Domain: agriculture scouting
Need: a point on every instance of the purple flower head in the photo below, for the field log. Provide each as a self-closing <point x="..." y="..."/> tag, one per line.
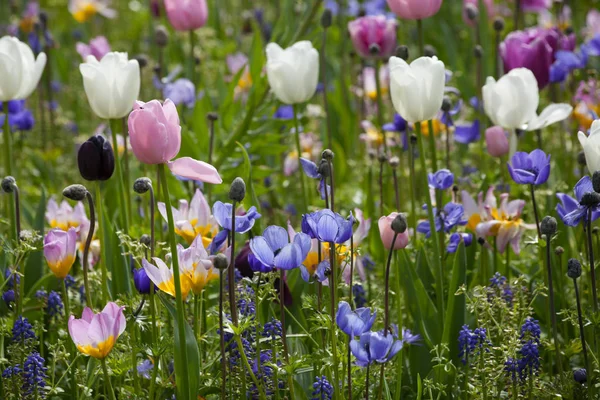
<point x="576" y="212"/>
<point x="327" y="226"/>
<point x="54" y="305"/>
<point x="284" y="112"/>
<point x="448" y="218"/>
<point x="22" y="330"/>
<point x="413" y="339"/>
<point x="530" y="330"/>
<point x="182" y="91"/>
<point x="441" y="180"/>
<point x="566" y="62"/>
<point x="530" y="169"/>
<point x="275" y="250"/>
<point x="469" y="341"/>
<point x="354" y="323"/>
<point x="374" y="347"/>
<point x="243" y="223"/>
<point x="19" y="117"/>
<point x="455" y="240"/>
<point x="34" y="376"/>
<point x="322" y="389"/>
<point x="535" y="5"/>
<point x="256" y="265"/>
<point x="144" y="368"/>
<point x="141" y="281"/>
<point x="9" y="296"/>
<point x="312" y="171"/>
<point x="466" y="133"/>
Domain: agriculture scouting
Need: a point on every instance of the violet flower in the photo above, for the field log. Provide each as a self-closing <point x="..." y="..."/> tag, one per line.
<point x="530" y="169"/>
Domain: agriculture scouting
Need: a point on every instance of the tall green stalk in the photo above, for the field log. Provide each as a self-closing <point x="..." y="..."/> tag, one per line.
<point x="180" y="369"/>
<point x="103" y="245"/>
<point x="8" y="166"/>
<point x="114" y="128"/>
<point x="299" y="150"/>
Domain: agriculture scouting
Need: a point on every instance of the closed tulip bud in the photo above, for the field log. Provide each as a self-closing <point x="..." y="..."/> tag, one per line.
<point x="237" y="191"/>
<point x="326" y="18"/>
<point x="96" y="159"/>
<point x="186" y="15"/>
<point x="75" y="192"/>
<point x="417" y="89"/>
<point x="142" y="185"/>
<point x="293" y="73"/>
<point x="387" y="232"/>
<point x="496" y="141"/>
<point x="573" y="268"/>
<point x="112" y="85"/>
<point x="154" y="131"/>
<point x="220" y="261"/>
<point x="402" y="52"/>
<point x="548" y="226"/>
<point x="8" y="184"/>
<point x="21" y="71"/>
<point x="161" y="36"/>
<point x="414" y="9"/>
<point x="60" y="248"/>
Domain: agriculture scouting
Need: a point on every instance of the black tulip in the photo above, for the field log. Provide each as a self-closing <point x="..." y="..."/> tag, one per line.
<point x="96" y="159"/>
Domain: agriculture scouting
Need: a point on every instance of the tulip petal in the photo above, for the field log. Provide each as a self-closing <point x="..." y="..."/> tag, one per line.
<point x="550" y="115"/>
<point x="187" y="167"/>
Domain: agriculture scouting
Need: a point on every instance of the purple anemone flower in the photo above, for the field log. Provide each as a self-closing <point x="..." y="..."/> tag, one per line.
<point x="274" y="249"/>
<point x="530" y="169"/>
<point x="446" y="219"/>
<point x="571" y="211"/>
<point x="354" y="323"/>
<point x="312" y="171"/>
<point x="374" y="347"/>
<point x="455" y="240"/>
<point x="327" y="226"/>
<point x="243" y="223"/>
<point x="466" y="133"/>
<point x="441" y="180"/>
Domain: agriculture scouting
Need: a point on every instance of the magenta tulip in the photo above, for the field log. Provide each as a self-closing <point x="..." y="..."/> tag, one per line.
<point x="373" y="32"/>
<point x="414" y="9"/>
<point x="387" y="233"/>
<point x="186" y="15"/>
<point x="496" y="141"/>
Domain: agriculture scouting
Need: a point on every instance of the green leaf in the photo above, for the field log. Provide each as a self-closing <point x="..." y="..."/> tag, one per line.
<point x="193" y="355"/>
<point x="34" y="268"/>
<point x="455" y="308"/>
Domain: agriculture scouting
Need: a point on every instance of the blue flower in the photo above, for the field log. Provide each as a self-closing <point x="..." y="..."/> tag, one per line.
<point x="10" y="372"/>
<point x="327" y="226"/>
<point x="410" y="338"/>
<point x="275" y="250"/>
<point x="359" y="295"/>
<point x="256" y="265"/>
<point x="529" y="360"/>
<point x="272" y="329"/>
<point x="467" y="133"/>
<point x="284" y="112"/>
<point x="321" y="272"/>
<point x="575" y="215"/>
<point x="455" y="240"/>
<point x="511" y="367"/>
<point x="441" y="180"/>
<point x="530" y="330"/>
<point x="141" y="281"/>
<point x="530" y="169"/>
<point x="144" y="368"/>
<point x="312" y="171"/>
<point x="469" y="341"/>
<point x="451" y="216"/>
<point x="566" y="62"/>
<point x="243" y="223"/>
<point x="19" y="117"/>
<point x="322" y="389"/>
<point x="398" y="125"/>
<point x="374" y="347"/>
<point x="22" y="330"/>
<point x="354" y="323"/>
<point x="34" y="376"/>
<point x="9" y="296"/>
<point x="182" y="91"/>
<point x="54" y="305"/>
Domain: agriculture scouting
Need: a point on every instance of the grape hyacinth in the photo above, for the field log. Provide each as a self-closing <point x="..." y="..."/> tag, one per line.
<point x="54" y="305"/>
<point x="322" y="389"/>
<point x="469" y="341"/>
<point x="359" y="294"/>
<point x="34" y="376"/>
<point x="22" y="330"/>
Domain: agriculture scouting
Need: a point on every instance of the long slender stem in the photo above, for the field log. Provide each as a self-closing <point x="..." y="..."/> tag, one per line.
<point x="535" y="211"/>
<point x="413" y="186"/>
<point x="299" y="151"/>
<point x="247" y="365"/>
<point x="6" y="138"/>
<point x="66" y="302"/>
<point x="286" y="356"/>
<point x="420" y="37"/>
<point x="231" y="270"/>
<point x="591" y="260"/>
<point x="551" y="304"/>
<point x="367" y="382"/>
<point x="333" y="310"/>
<point x="324" y="79"/>
<point x="222" y="337"/>
<point x="332" y="184"/>
<point x="126" y="174"/>
<point x="103" y="245"/>
<point x="381" y="201"/>
<point x="114" y="127"/>
<point x="86" y="250"/>
<point x="192" y="58"/>
<point x="396" y="189"/>
<point x="581" y="330"/>
<point x="177" y="283"/>
<point x="107" y="380"/>
<point x="379" y="97"/>
<point x="432" y="149"/>
<point x="211" y="128"/>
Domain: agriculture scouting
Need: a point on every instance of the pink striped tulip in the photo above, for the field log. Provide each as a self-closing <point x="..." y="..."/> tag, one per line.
<point x="60" y="248"/>
<point x="96" y="334"/>
<point x="186" y="15"/>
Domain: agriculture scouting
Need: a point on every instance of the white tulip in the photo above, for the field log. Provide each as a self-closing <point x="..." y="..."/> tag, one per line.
<point x="20" y="71"/>
<point x="417" y="89"/>
<point x="591" y="146"/>
<point x="512" y="102"/>
<point x="112" y="85"/>
<point x="293" y="73"/>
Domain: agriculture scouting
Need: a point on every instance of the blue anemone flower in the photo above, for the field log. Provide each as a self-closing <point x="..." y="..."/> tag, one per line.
<point x="448" y="218"/>
<point x="455" y="240"/>
<point x="275" y="250"/>
<point x="354" y="323"/>
<point x="441" y="180"/>
<point x="466" y="133"/>
<point x="312" y="171"/>
<point x="374" y="347"/>
<point x="530" y="169"/>
<point x="243" y="223"/>
<point x="327" y="226"/>
<point x="575" y="214"/>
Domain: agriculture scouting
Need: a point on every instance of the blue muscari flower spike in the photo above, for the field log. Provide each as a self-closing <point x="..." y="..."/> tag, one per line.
<point x="10" y="372"/>
<point x="529" y="169"/>
<point x="511" y="367"/>
<point x="243" y="223"/>
<point x="448" y="218"/>
<point x="69" y="281"/>
<point x="455" y="240"/>
<point x="322" y="389"/>
<point x="359" y="294"/>
<point x="354" y="323"/>
<point x="272" y="329"/>
<point x="529" y="361"/>
<point x="374" y="347"/>
<point x="442" y="179"/>
<point x="54" y="305"/>
<point x="469" y="341"/>
<point x="327" y="226"/>
<point x="275" y="250"/>
<point x="22" y="330"/>
<point x="571" y="212"/>
<point x="10" y="282"/>
<point x="41" y="294"/>
<point x="530" y="330"/>
<point x="34" y="376"/>
<point x="9" y="296"/>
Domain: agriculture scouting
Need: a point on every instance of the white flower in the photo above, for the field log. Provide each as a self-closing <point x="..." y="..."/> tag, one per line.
<point x="293" y="73"/>
<point x="20" y="72"/>
<point x="512" y="102"/>
<point x="112" y="85"/>
<point x="417" y="89"/>
<point x="591" y="146"/>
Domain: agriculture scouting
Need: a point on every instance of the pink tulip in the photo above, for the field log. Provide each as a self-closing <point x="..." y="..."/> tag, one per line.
<point x="387" y="234"/>
<point x="98" y="47"/>
<point x="373" y="30"/>
<point x="186" y="15"/>
<point x="414" y="9"/>
<point x="60" y="248"/>
<point x="156" y="139"/>
<point x="96" y="334"/>
<point x="496" y="141"/>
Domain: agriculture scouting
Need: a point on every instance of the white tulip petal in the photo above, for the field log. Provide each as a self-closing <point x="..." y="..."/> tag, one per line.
<point x="550" y="115"/>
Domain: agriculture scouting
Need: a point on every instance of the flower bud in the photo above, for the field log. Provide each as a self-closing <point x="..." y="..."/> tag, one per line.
<point x="75" y="192"/>
<point x="237" y="191"/>
<point x="580" y="375"/>
<point x="559" y="250"/>
<point x="394" y="162"/>
<point x="573" y="268"/>
<point x="471" y="11"/>
<point x="446" y="104"/>
<point x="8" y="184"/>
<point x="402" y="52"/>
<point x="581" y="158"/>
<point x="399" y="224"/>
<point x="478" y="51"/>
<point x="327" y="154"/>
<point x="429" y="51"/>
<point x="212" y="116"/>
<point x="326" y="18"/>
<point x="548" y="226"/>
<point x="382" y="157"/>
<point x="596" y="181"/>
<point x="161" y="36"/>
<point x="142" y="185"/>
<point x="413" y="139"/>
<point x="141" y="281"/>
<point x="96" y="159"/>
<point x="142" y="60"/>
<point x="145" y="239"/>
<point x="481" y="241"/>
<point x="324" y="168"/>
<point x="499" y="24"/>
<point x="220" y="261"/>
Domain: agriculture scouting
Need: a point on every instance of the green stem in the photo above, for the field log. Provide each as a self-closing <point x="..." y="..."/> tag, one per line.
<point x="182" y="370"/>
<point x="136" y="382"/>
<point x="103" y="245"/>
<point x="191" y="58"/>
<point x="420" y="37"/>
<point x="107" y="380"/>
<point x="8" y="167"/>
<point x="299" y="151"/>
<point x="333" y="289"/>
<point x="379" y="103"/>
<point x="431" y="138"/>
<point x="248" y="368"/>
<point x="413" y="185"/>
<point x="71" y="347"/>
<point x="483" y="375"/>
<point x="439" y="283"/>
<point x="114" y="128"/>
<point x="126" y="173"/>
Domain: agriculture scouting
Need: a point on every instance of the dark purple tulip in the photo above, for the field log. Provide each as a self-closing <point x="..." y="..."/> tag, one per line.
<point x="96" y="159"/>
<point x="530" y="169"/>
